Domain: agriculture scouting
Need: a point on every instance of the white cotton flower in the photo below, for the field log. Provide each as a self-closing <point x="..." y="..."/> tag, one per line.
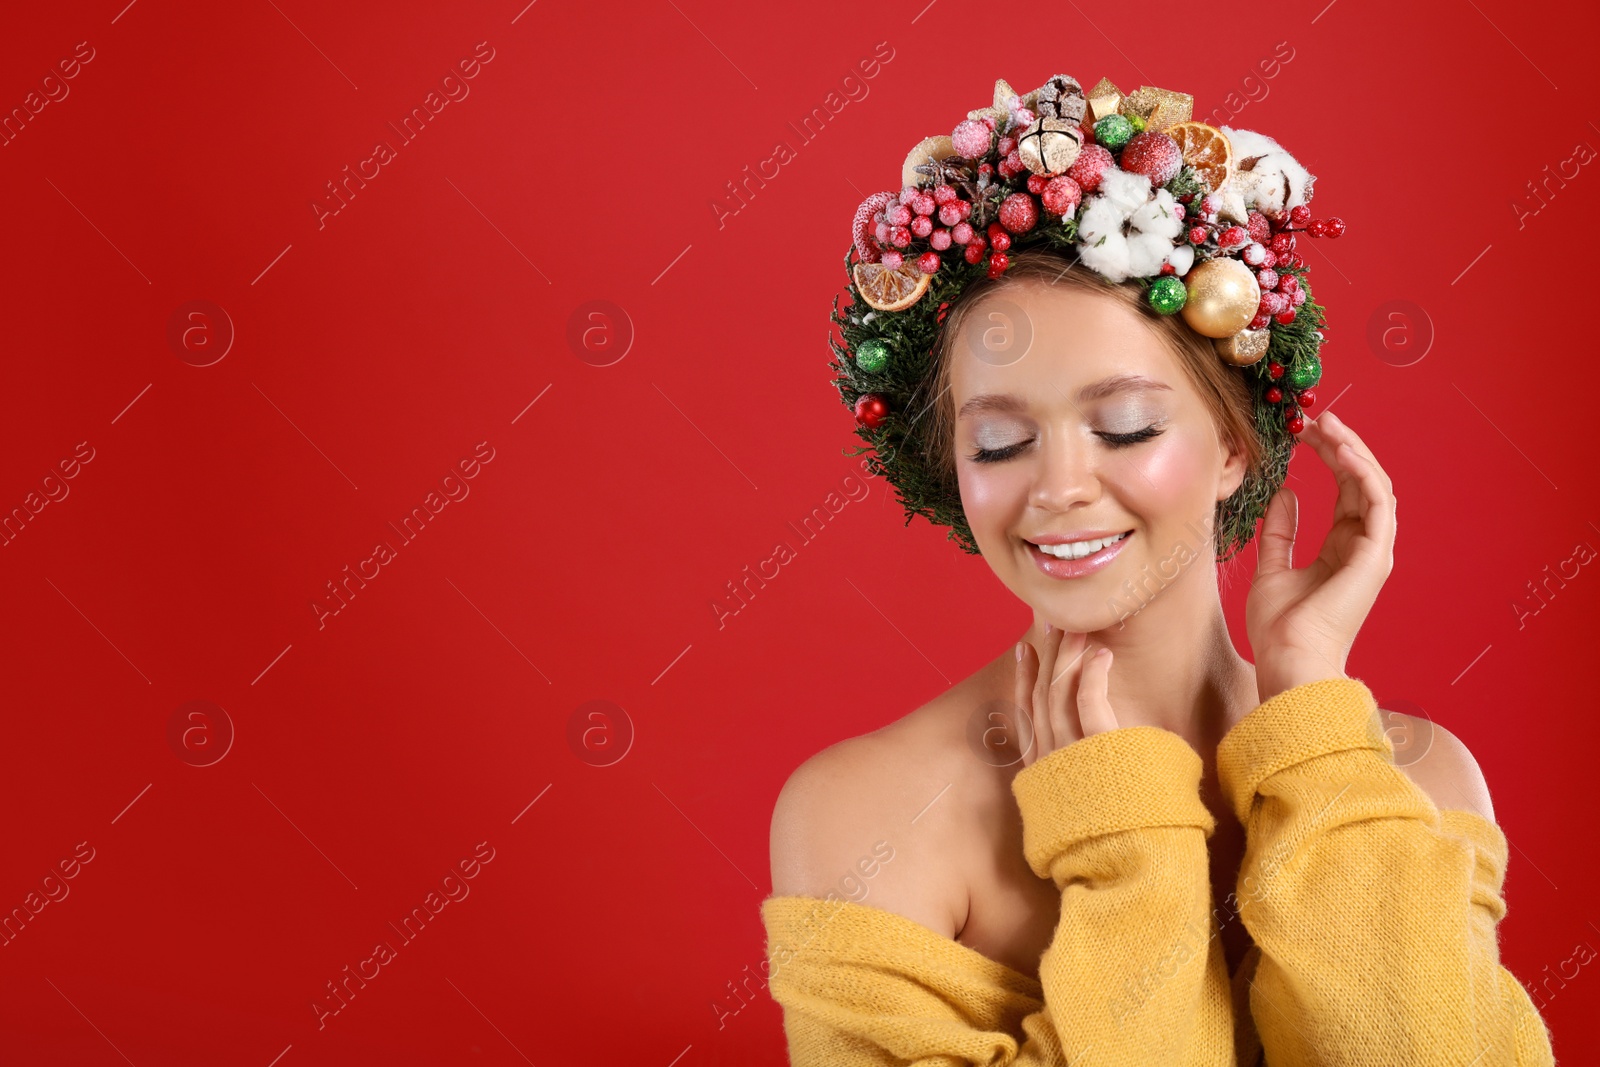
<point x="1127" y="231"/>
<point x="1182" y="258"/>
<point x="1275" y="181"/>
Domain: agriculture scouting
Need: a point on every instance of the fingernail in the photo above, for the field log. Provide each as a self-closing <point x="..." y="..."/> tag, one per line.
<point x="1047" y="628"/>
<point x="1102" y="651"/>
<point x="1019" y="651"/>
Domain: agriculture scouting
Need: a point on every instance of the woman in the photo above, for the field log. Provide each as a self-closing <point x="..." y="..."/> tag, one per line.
<point x="1119" y="841"/>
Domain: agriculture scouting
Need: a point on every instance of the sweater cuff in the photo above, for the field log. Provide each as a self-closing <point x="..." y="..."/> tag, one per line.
<point x="1124" y="779"/>
<point x="1332" y="715"/>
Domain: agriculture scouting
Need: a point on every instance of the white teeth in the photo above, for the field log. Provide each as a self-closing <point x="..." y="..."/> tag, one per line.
<point x="1079" y="549"/>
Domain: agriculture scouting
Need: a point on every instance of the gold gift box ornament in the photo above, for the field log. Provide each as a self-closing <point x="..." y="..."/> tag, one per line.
<point x="1159" y="108"/>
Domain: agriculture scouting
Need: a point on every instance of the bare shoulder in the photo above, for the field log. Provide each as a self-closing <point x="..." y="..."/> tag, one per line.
<point x="878" y="820"/>
<point x="1440" y="764"/>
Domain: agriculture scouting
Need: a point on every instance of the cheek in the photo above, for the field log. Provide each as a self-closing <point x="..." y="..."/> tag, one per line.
<point x="992" y="495"/>
<point x="1169" y="474"/>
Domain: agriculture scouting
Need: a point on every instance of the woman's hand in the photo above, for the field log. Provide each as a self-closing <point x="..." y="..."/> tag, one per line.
<point x="1302" y="621"/>
<point x="1063" y="691"/>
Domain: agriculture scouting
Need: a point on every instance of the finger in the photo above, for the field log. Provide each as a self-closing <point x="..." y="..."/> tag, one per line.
<point x="1040" y="700"/>
<point x="1341" y="431"/>
<point x="1063" y="689"/>
<point x="1022" y="697"/>
<point x="1094" y="702"/>
<point x="1276" y="551"/>
<point x="1378" y="506"/>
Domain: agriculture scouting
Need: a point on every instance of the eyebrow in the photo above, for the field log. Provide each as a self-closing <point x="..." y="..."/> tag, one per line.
<point x="1005" y="403"/>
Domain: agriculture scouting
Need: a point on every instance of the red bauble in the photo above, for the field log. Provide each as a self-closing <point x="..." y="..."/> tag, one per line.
<point x="1274" y="394"/>
<point x="871" y="410"/>
<point x="1260" y="229"/>
<point x="1307" y="398"/>
<point x="1019" y="212"/>
<point x="1153" y="154"/>
<point x="1274" y="370"/>
<point x="1092" y="162"/>
<point x="998" y="264"/>
<point x="1061" y="195"/>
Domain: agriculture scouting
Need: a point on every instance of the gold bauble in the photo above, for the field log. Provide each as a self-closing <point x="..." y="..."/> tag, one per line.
<point x="1223" y="297"/>
<point x="1243" y="348"/>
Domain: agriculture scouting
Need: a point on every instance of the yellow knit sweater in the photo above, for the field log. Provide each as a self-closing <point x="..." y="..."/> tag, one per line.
<point x="1373" y="914"/>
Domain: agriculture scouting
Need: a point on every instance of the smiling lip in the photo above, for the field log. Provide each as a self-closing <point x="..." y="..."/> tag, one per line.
<point x="1075" y="568"/>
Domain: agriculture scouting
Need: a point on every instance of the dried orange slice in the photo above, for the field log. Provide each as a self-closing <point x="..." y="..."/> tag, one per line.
<point x="891" y="290"/>
<point x="1206" y="149"/>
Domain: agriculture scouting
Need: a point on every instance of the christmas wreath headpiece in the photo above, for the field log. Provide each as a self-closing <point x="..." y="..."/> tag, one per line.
<point x="1203" y="219"/>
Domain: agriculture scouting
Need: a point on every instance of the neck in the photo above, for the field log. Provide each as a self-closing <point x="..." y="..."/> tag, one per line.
<point x="1175" y="666"/>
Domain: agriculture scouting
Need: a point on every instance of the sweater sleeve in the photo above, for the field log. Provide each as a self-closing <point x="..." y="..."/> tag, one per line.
<point x="1133" y="972"/>
<point x="1132" y="976"/>
<point x="1375" y="914"/>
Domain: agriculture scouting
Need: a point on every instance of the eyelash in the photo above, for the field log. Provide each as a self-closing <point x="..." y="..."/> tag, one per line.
<point x="1115" y="440"/>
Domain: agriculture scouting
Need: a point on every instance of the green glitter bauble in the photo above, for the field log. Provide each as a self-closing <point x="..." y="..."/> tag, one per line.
<point x="872" y="356"/>
<point x="1168" y="294"/>
<point x="1306" y="372"/>
<point x="1113" y="131"/>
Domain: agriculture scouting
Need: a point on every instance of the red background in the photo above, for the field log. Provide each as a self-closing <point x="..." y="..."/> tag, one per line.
<point x="374" y="352"/>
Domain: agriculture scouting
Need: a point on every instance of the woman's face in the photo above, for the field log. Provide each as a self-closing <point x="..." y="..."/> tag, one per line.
<point x="1093" y="432"/>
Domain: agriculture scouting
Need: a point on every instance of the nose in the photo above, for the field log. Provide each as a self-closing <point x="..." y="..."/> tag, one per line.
<point x="1067" y="475"/>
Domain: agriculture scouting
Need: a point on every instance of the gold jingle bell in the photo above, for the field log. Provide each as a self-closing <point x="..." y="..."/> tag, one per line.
<point x="1223" y="296"/>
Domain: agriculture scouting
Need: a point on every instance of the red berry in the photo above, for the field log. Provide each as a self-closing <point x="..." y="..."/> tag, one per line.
<point x="1334" y="225"/>
<point x="871" y="409"/>
<point x="1168" y="268"/>
<point x="939" y="240"/>
<point x="998" y="237"/>
<point x="923" y="204"/>
<point x="1267" y="279"/>
<point x="1317" y="228"/>
<point x="1288" y="283"/>
<point x="922" y="225"/>
<point x="943" y="194"/>
<point x="997" y="264"/>
<point x="1253" y="254"/>
<point x="1211" y="204"/>
<point x="882" y="233"/>
<point x="908" y="193"/>
<point x="1299" y="214"/>
<point x="1295" y="425"/>
<point x="1061" y="195"/>
<point x="1298" y="298"/>
<point x="1269" y="303"/>
<point x="1260" y="229"/>
<point x="1233" y="237"/>
<point x="1278" y="219"/>
<point x="928" y="262"/>
<point x="892" y="260"/>
<point x="1011" y="166"/>
<point x="1178" y="212"/>
<point x="1153" y="154"/>
<point x="1274" y="394"/>
<point x="1036" y="183"/>
<point x="974" y="251"/>
<point x="1092" y="162"/>
<point x="1285" y="317"/>
<point x="1198" y="235"/>
<point x="1261" y="321"/>
<point x="1007" y="145"/>
<point x="966" y="207"/>
<point x="949" y="214"/>
<point x="1282" y="243"/>
<point x="961" y="233"/>
<point x="1274" y="370"/>
<point x="1307" y="398"/>
<point x="1268" y="260"/>
<point x="1019" y="212"/>
<point x="897" y="214"/>
<point x="899" y="236"/>
<point x="1292" y="260"/>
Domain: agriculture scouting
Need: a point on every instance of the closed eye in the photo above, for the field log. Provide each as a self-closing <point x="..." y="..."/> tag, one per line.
<point x="1115" y="440"/>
